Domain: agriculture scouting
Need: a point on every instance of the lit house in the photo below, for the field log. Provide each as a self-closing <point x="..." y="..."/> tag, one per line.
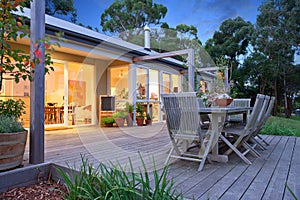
<point x="90" y="65"/>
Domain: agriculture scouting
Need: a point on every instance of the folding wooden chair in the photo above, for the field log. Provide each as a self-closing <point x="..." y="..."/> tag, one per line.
<point x="183" y="122"/>
<point x="265" y="115"/>
<point x="242" y="133"/>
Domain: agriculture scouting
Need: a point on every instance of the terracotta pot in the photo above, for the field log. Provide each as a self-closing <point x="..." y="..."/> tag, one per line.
<point x="148" y="122"/>
<point x="223" y="102"/>
<point x="129" y="119"/>
<point x="120" y="121"/>
<point x="109" y="124"/>
<point x="140" y="121"/>
<point x="12" y="147"/>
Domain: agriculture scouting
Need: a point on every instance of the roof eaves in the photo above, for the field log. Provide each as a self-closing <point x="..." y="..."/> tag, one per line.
<point x="86" y="36"/>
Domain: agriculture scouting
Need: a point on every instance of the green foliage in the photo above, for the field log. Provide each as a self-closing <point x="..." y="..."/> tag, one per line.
<point x="10" y="124"/>
<point x="231" y="40"/>
<point x="290" y="191"/>
<point x="15" y="63"/>
<point x="59" y="7"/>
<point x="275" y="42"/>
<point x="129" y="107"/>
<point x="282" y="126"/>
<point x="12" y="108"/>
<point x="148" y="116"/>
<point x="126" y="15"/>
<point x="120" y="114"/>
<point x="115" y="183"/>
<point x="107" y="120"/>
<point x="140" y="110"/>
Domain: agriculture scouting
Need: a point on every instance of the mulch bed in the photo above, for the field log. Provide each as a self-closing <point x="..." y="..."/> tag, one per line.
<point x="42" y="190"/>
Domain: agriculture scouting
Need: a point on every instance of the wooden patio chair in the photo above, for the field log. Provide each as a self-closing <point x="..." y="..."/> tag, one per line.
<point x="265" y="115"/>
<point x="183" y="122"/>
<point x="249" y="141"/>
<point x="240" y="134"/>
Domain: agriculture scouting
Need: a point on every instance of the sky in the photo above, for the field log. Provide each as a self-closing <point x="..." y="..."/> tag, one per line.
<point x="206" y="15"/>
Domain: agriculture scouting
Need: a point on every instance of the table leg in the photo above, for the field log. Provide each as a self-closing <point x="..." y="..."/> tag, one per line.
<point x="215" y="134"/>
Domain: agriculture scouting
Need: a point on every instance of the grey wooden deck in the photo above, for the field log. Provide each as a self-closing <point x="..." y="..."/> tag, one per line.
<point x="264" y="179"/>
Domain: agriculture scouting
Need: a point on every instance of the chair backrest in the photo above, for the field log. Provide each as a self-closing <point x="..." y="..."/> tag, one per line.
<point x="182" y="114"/>
<point x="203" y="117"/>
<point x="270" y="108"/>
<point x="251" y="123"/>
<point x="239" y="103"/>
<point x="266" y="113"/>
<point x="263" y="110"/>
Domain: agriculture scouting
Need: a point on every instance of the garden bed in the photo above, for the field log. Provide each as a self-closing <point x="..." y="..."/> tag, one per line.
<point x="32" y="182"/>
<point x="42" y="190"/>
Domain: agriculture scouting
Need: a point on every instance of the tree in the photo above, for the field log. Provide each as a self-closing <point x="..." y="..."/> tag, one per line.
<point x="231" y="41"/>
<point x="60" y="8"/>
<point x="277" y="39"/>
<point x="123" y="16"/>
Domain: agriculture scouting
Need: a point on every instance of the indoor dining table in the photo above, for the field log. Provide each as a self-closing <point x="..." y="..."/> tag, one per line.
<point x="218" y="116"/>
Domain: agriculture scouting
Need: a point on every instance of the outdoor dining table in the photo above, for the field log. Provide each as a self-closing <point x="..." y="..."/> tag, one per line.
<point x="218" y="116"/>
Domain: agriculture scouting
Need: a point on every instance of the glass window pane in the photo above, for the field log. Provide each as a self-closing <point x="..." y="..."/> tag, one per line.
<point x="80" y="93"/>
<point x="54" y="95"/>
<point x="119" y="82"/>
<point x="141" y="83"/>
<point x="15" y="91"/>
<point x="175" y="83"/>
<point x="153" y="84"/>
<point x="166" y="83"/>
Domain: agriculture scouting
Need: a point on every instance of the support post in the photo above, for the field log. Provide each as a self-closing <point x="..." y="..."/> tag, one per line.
<point x="37" y="86"/>
<point x="191" y="70"/>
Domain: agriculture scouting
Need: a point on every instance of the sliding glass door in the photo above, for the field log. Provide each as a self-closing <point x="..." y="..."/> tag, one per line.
<point x="69" y="94"/>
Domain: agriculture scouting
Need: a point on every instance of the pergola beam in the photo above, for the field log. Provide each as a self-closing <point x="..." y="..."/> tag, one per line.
<point x="161" y="55"/>
<point x="208" y="69"/>
<point x="191" y="66"/>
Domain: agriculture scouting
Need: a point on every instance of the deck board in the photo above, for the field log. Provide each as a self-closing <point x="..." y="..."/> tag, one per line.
<point x="294" y="175"/>
<point x="265" y="178"/>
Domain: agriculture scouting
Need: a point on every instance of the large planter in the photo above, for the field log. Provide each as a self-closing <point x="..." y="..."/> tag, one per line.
<point x="109" y="124"/>
<point x="120" y="121"/>
<point x="129" y="119"/>
<point x="223" y="102"/>
<point x="148" y="122"/>
<point x="140" y="121"/>
<point x="12" y="147"/>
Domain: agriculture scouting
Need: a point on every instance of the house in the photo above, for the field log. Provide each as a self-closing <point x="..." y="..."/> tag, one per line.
<point x="95" y="74"/>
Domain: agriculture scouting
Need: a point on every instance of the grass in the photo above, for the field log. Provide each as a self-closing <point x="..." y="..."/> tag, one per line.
<point x="282" y="126"/>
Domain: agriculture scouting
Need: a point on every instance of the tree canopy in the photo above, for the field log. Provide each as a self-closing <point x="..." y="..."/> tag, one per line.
<point x="268" y="49"/>
<point x="231" y="40"/>
<point x="276" y="40"/>
<point x="122" y="16"/>
<point x="60" y="8"/>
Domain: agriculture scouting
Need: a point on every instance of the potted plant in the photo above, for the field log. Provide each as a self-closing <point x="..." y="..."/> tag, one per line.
<point x="219" y="93"/>
<point x="12" y="134"/>
<point x="148" y="120"/>
<point x="129" y="118"/>
<point x="140" y="115"/>
<point x="120" y="118"/>
<point x="108" y="121"/>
